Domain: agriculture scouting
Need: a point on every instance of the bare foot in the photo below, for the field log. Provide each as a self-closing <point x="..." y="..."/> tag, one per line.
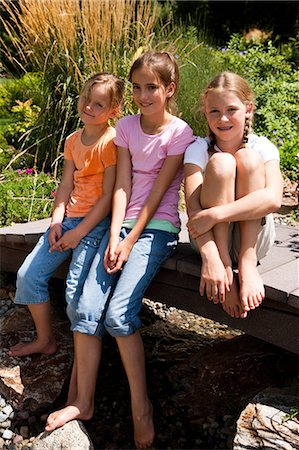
<point x="252" y="291"/>
<point x="232" y="305"/>
<point x="144" y="432"/>
<point x="62" y="416"/>
<point x="36" y="346"/>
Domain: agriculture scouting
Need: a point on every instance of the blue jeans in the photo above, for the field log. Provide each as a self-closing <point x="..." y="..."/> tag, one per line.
<point x="112" y="302"/>
<point x="40" y="265"/>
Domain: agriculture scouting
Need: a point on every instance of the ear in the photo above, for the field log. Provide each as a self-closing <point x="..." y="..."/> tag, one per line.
<point x="114" y="112"/>
<point x="249" y="110"/>
<point x="170" y="90"/>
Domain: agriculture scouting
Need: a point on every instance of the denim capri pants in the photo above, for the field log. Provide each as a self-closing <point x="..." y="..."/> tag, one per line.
<point x="35" y="272"/>
<point x="112" y="302"/>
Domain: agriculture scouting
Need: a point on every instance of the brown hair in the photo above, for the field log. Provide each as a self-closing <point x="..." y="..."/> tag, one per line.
<point x="239" y="86"/>
<point x="164" y="65"/>
<point x="114" y="85"/>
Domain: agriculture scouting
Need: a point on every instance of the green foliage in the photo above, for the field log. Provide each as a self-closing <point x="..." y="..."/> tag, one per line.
<point x="6" y="153"/>
<point x="23" y="118"/>
<point x="5" y="101"/>
<point x="25" y="195"/>
<point x="289" y="157"/>
<point x="195" y="73"/>
<point x="19" y="110"/>
<point x="276" y="85"/>
<point x="29" y="86"/>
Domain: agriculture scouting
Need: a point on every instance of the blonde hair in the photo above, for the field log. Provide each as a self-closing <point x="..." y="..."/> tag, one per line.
<point x="115" y="88"/>
<point x="164" y="65"/>
<point x="239" y="86"/>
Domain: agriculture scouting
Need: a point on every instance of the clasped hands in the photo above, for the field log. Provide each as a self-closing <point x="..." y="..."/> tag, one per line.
<point x="69" y="240"/>
<point x="117" y="254"/>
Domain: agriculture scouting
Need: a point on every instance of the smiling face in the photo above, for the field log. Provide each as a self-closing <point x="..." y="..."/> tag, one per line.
<point x="96" y="108"/>
<point x="149" y="92"/>
<point x="226" y="115"/>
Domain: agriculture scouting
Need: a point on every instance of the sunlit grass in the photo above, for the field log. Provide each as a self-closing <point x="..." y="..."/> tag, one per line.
<point x="68" y="41"/>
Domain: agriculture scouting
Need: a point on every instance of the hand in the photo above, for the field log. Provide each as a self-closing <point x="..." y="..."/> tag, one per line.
<point x="70" y="239"/>
<point x="119" y="256"/>
<point x="110" y="256"/>
<point x="214" y="280"/>
<point x="55" y="234"/>
<point x="201" y="222"/>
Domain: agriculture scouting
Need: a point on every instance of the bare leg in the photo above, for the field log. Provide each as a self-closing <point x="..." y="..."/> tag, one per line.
<point x="88" y="354"/>
<point x="45" y="341"/>
<point x="251" y="177"/>
<point x="219" y="189"/>
<point x="132" y="355"/>
<point x="72" y="391"/>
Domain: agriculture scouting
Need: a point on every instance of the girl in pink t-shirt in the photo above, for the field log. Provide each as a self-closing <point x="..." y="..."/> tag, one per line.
<point x="144" y="232"/>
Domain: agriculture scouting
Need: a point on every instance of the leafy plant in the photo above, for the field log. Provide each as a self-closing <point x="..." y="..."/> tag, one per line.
<point x="25" y="195"/>
<point x="24" y="116"/>
<point x="28" y="86"/>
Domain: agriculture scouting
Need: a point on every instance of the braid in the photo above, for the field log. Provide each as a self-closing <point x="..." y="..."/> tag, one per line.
<point x="212" y="143"/>
<point x="247" y="130"/>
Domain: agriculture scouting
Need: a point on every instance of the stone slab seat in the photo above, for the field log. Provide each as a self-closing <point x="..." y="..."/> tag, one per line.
<point x="275" y="321"/>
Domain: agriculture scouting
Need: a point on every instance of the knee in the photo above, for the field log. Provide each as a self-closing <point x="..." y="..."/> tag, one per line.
<point x="248" y="161"/>
<point x="24" y="274"/>
<point x="222" y="166"/>
<point x="121" y="326"/>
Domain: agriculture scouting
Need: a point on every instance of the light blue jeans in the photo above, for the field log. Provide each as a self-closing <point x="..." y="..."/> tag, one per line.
<point x="37" y="269"/>
<point x="112" y="302"/>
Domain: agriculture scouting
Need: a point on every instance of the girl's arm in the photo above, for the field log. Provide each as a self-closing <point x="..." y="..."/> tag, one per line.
<point x="167" y="173"/>
<point x="213" y="278"/>
<point x="100" y="210"/>
<point x="61" y="200"/>
<point x="252" y="206"/>
<point x="121" y="197"/>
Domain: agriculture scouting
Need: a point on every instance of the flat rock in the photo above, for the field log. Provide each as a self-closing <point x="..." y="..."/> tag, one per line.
<point x="266" y="422"/>
<point x="72" y="436"/>
<point x="35" y="381"/>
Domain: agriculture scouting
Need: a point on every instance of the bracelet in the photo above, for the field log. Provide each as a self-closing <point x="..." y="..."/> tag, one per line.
<point x="55" y="223"/>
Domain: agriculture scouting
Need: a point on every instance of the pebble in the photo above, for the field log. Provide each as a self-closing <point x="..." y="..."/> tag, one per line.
<point x="6" y="302"/>
<point x="6" y="414"/>
<point x="11" y="438"/>
<point x="17" y="439"/>
<point x="7" y="434"/>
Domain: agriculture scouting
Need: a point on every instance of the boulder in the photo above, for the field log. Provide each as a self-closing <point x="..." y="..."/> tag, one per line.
<point x="35" y="381"/>
<point x="72" y="436"/>
<point x="267" y="422"/>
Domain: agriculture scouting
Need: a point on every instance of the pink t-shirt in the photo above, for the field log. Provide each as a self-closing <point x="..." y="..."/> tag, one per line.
<point x="148" y="153"/>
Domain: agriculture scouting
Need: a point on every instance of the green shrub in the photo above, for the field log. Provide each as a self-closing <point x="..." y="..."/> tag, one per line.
<point x="195" y="73"/>
<point x="289" y="157"/>
<point x="25" y="195"/>
<point x="29" y="86"/>
<point x="5" y="101"/>
<point x="23" y="119"/>
<point x="6" y="153"/>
